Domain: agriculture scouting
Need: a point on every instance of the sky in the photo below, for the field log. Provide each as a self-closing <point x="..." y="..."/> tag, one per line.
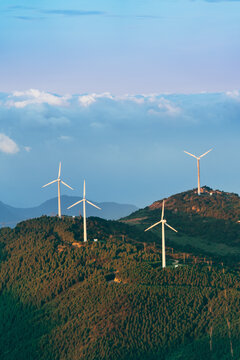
<point x="128" y="46"/>
<point x="116" y="90"/>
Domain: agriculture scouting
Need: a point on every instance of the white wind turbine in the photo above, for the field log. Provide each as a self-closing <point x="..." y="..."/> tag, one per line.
<point x="164" y="222"/>
<point x="198" y="166"/>
<point x="59" y="181"/>
<point x="84" y="200"/>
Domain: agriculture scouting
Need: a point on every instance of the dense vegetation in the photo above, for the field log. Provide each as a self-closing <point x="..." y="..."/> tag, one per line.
<point x="206" y="224"/>
<point x="110" y="299"/>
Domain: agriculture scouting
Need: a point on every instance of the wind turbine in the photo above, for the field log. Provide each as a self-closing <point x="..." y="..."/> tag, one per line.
<point x="84" y="200"/>
<point x="164" y="222"/>
<point x="59" y="181"/>
<point x="198" y="166"/>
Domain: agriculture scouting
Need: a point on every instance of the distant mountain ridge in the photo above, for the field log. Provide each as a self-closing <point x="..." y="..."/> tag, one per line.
<point x="10" y="215"/>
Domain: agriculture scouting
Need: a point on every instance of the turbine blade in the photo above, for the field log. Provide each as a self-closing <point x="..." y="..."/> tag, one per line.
<point x="171" y="227"/>
<point x="162" y="210"/>
<point x="150" y="227"/>
<point x="50" y="183"/>
<point x="205" y="153"/>
<point x="78" y="202"/>
<point x="89" y="202"/>
<point x="190" y="154"/>
<point x="59" y="170"/>
<point x="84" y="189"/>
<point x="66" y="185"/>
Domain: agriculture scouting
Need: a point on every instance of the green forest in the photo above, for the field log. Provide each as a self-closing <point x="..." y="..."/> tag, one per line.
<point x="111" y="299"/>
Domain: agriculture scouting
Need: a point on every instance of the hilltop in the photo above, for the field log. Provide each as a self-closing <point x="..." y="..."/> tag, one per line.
<point x="206" y="224"/>
<point x="110" y="299"/>
<point x="211" y="203"/>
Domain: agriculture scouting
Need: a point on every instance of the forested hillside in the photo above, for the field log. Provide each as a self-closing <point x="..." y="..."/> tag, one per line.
<point x="206" y="224"/>
<point x="110" y="299"/>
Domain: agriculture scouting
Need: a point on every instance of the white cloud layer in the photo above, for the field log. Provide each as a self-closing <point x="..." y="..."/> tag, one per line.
<point x="89" y="99"/>
<point x="122" y="143"/>
<point x="235" y="94"/>
<point x="21" y="99"/>
<point x="166" y="106"/>
<point x="7" y="145"/>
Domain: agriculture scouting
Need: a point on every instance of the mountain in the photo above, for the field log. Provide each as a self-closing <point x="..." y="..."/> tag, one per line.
<point x="110" y="210"/>
<point x="110" y="299"/>
<point x="206" y="224"/>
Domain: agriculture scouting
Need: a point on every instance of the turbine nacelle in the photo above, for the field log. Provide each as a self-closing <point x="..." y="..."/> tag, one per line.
<point x="198" y="157"/>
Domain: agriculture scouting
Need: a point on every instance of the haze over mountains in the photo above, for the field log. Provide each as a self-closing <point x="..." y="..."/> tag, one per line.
<point x="10" y="216"/>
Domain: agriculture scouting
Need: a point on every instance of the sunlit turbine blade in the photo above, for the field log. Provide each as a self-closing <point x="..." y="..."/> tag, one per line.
<point x="59" y="170"/>
<point x="89" y="202"/>
<point x="162" y="210"/>
<point x="66" y="185"/>
<point x="150" y="227"/>
<point x="190" y="154"/>
<point x="78" y="202"/>
<point x="84" y="190"/>
<point x="205" y="153"/>
<point x="171" y="227"/>
<point x="50" y="183"/>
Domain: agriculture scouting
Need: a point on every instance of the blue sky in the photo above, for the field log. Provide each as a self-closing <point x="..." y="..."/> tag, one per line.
<point x="117" y="90"/>
<point x="120" y="46"/>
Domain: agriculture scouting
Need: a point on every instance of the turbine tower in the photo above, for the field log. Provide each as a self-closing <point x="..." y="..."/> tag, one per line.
<point x="84" y="200"/>
<point x="164" y="222"/>
<point x="59" y="181"/>
<point x="198" y="166"/>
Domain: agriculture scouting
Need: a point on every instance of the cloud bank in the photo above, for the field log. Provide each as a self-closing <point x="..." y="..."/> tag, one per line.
<point x="21" y="99"/>
<point x="129" y="147"/>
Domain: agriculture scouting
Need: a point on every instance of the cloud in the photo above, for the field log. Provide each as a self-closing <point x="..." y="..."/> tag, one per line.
<point x="65" y="138"/>
<point x="135" y="137"/>
<point x="7" y="145"/>
<point x="20" y="7"/>
<point x="69" y="12"/>
<point x="234" y="94"/>
<point x="164" y="106"/>
<point x="87" y="100"/>
<point x="21" y="99"/>
<point x="27" y="148"/>
<point x="168" y="106"/>
<point x="28" y="18"/>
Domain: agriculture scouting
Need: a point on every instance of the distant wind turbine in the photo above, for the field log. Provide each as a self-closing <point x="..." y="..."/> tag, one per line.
<point x="164" y="222"/>
<point x="198" y="166"/>
<point x="59" y="181"/>
<point x="84" y="200"/>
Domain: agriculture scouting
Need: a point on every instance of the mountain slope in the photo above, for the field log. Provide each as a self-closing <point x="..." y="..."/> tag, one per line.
<point x="206" y="223"/>
<point x="109" y="299"/>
